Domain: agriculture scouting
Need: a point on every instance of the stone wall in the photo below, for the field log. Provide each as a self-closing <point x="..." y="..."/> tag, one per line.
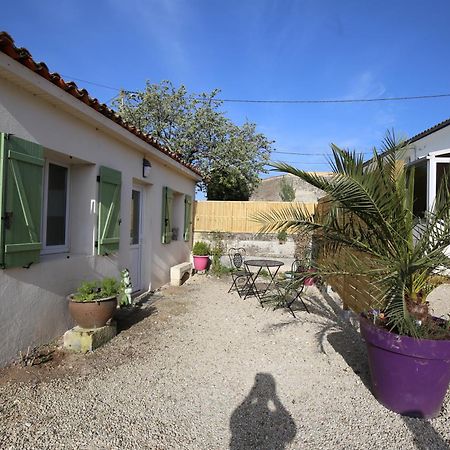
<point x="257" y="245"/>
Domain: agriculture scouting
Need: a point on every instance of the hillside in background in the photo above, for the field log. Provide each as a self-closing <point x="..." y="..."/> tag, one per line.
<point x="269" y="189"/>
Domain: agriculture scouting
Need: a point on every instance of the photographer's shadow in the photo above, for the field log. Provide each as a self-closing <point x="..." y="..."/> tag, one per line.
<point x="261" y="421"/>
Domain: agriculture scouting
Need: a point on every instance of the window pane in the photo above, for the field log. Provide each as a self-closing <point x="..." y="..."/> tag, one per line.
<point x="56" y="205"/>
<point x="420" y="189"/>
<point x="135" y="215"/>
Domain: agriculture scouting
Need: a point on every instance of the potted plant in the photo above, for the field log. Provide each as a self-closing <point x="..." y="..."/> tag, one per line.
<point x="94" y="302"/>
<point x="367" y="230"/>
<point x="282" y="237"/>
<point x="201" y="252"/>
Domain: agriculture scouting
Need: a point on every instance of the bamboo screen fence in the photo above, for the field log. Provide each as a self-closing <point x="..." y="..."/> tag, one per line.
<point x="234" y="217"/>
<point x="357" y="292"/>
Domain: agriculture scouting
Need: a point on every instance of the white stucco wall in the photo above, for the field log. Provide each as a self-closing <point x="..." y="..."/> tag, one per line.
<point x="33" y="308"/>
<point x="439" y="140"/>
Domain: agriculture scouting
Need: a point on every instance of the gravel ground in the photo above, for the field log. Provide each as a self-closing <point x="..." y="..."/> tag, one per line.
<point x="203" y="369"/>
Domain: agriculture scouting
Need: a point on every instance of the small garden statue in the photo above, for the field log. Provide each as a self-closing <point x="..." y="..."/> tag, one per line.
<point x="127" y="288"/>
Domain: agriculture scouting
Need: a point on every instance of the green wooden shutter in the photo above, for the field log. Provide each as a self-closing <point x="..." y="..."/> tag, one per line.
<point x="187" y="217"/>
<point x="166" y="214"/>
<point x="109" y="210"/>
<point x="21" y="169"/>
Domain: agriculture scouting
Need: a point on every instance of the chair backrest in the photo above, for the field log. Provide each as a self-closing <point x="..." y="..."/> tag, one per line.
<point x="298" y="266"/>
<point x="236" y="256"/>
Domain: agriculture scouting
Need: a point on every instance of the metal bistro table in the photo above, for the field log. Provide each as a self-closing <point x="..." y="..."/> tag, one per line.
<point x="272" y="267"/>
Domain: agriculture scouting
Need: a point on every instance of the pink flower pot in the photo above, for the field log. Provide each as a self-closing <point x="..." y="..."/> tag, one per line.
<point x="310" y="280"/>
<point x="201" y="262"/>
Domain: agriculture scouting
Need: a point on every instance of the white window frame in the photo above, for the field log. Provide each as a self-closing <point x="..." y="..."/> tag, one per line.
<point x="49" y="249"/>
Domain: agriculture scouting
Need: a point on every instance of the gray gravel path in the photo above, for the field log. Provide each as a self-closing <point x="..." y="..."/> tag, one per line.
<point x="207" y="370"/>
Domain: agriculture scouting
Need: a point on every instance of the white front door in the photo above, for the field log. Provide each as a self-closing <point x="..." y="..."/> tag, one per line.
<point x="136" y="238"/>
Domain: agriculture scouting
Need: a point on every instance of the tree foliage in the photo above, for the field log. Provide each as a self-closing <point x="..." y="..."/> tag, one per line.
<point x="287" y="190"/>
<point x="193" y="125"/>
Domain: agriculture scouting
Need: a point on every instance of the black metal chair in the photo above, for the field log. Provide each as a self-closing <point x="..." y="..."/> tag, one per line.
<point x="239" y="273"/>
<point x="293" y="286"/>
<point x="297" y="268"/>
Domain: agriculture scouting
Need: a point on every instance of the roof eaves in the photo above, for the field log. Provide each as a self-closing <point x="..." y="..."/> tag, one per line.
<point x="429" y="131"/>
<point x="23" y="56"/>
<point x="418" y="136"/>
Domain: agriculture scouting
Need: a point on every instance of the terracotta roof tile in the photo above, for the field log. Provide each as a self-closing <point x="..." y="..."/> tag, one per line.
<point x="23" y="56"/>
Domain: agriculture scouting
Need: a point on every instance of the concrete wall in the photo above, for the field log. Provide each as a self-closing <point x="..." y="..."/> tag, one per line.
<point x="256" y="245"/>
<point x="33" y="308"/>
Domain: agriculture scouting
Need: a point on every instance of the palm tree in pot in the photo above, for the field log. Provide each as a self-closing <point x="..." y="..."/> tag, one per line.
<point x="369" y="227"/>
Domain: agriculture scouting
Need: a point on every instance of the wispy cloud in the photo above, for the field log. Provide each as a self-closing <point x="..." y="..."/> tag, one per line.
<point x="161" y="23"/>
<point x="365" y="85"/>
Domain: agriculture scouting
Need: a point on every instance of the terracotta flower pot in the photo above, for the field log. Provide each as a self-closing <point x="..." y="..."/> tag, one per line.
<point x="92" y="314"/>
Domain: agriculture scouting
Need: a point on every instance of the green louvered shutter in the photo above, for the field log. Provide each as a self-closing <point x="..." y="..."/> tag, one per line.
<point x="187" y="217"/>
<point x="166" y="224"/>
<point x="21" y="169"/>
<point x="109" y="210"/>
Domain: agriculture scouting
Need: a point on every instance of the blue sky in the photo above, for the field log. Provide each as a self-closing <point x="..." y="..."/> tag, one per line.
<point x="259" y="49"/>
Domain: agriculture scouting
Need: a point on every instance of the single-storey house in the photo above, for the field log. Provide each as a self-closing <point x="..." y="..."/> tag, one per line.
<point x="83" y="195"/>
<point x="429" y="153"/>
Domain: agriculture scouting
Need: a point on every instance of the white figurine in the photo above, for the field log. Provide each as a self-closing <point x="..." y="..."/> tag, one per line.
<point x="127" y="288"/>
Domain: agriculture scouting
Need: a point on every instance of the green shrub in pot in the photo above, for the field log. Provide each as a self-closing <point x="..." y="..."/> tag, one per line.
<point x="91" y="291"/>
<point x="94" y="302"/>
<point x="201" y="248"/>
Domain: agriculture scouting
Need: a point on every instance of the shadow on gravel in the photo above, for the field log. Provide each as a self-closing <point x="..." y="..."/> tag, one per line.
<point x="336" y="326"/>
<point x="425" y="436"/>
<point x="127" y="317"/>
<point x="340" y="331"/>
<point x="353" y="350"/>
<point x="261" y="421"/>
<point x="346" y="340"/>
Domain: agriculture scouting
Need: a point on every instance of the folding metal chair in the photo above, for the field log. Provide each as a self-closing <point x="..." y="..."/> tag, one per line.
<point x="294" y="285"/>
<point x="297" y="269"/>
<point x="239" y="271"/>
<point x="295" y="291"/>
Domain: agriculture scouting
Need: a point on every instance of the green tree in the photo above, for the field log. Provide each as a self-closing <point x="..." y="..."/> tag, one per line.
<point x="287" y="190"/>
<point x="230" y="156"/>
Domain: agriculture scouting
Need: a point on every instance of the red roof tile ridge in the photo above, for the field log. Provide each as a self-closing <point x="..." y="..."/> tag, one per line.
<point x="23" y="56"/>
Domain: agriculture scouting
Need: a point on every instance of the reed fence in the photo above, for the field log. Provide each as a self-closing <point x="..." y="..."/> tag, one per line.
<point x="235" y="216"/>
<point x="356" y="291"/>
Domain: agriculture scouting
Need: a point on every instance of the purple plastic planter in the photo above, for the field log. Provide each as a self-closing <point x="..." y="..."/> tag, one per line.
<point x="409" y="376"/>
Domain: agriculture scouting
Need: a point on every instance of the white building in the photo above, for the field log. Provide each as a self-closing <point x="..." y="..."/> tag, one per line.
<point x="429" y="154"/>
<point x="75" y="200"/>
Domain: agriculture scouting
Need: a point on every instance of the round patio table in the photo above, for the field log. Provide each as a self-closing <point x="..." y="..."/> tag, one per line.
<point x="272" y="267"/>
